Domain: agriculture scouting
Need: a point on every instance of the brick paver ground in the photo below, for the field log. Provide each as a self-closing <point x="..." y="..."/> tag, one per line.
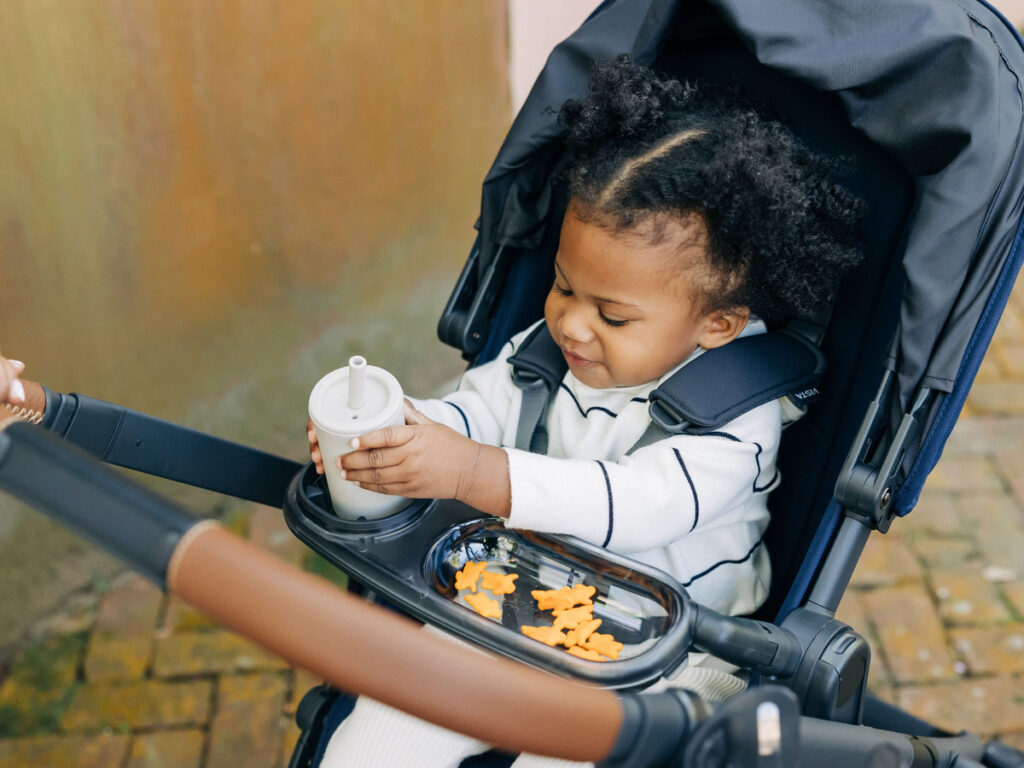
<point x="128" y="677"/>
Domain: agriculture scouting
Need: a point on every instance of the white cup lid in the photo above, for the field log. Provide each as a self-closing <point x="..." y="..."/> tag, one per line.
<point x="329" y="408"/>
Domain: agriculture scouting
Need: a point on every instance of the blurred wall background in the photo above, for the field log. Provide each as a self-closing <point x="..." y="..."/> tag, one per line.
<point x="206" y="206"/>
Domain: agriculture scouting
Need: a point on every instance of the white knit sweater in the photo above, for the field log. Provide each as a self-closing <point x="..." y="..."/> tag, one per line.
<point x="694" y="506"/>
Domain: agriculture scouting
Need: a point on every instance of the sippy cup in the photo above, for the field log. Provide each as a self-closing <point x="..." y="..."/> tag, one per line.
<point x="346" y="403"/>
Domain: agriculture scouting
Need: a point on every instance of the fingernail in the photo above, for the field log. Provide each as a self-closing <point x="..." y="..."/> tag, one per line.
<point x="354" y="442"/>
<point x="17" y="391"/>
<point x="342" y="473"/>
<point x="17" y="364"/>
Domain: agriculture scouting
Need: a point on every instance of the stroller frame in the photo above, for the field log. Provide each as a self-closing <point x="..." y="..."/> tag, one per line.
<point x="817" y="700"/>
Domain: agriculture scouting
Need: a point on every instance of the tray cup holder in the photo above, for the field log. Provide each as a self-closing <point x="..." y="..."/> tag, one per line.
<point x="315" y="502"/>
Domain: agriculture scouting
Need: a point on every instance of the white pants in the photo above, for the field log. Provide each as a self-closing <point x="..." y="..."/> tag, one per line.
<point x="378" y="736"/>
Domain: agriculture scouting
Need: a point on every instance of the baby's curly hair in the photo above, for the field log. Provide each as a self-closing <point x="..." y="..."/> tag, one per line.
<point x="780" y="231"/>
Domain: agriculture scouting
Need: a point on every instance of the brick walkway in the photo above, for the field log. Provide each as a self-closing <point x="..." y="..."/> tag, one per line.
<point x="129" y="678"/>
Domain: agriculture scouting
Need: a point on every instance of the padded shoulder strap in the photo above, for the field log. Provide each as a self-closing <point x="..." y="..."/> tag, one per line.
<point x="537" y="368"/>
<point x="538" y="357"/>
<point x="727" y="382"/>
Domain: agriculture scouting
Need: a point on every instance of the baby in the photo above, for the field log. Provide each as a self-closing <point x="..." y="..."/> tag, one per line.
<point x="692" y="221"/>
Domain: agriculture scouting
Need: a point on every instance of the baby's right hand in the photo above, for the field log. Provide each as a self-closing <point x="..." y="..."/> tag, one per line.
<point x="314" y="447"/>
<point x="412" y="416"/>
<point x="11" y="390"/>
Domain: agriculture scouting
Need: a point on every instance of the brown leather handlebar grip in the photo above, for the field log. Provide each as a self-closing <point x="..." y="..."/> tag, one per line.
<point x="361" y="648"/>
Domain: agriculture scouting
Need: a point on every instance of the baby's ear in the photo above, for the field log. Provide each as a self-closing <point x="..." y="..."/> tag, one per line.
<point x="722" y="326"/>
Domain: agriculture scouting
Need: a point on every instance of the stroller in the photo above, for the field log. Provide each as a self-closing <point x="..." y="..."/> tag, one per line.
<point x="926" y="95"/>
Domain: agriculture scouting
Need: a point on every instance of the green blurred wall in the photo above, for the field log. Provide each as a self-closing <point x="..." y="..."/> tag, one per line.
<point x="206" y="205"/>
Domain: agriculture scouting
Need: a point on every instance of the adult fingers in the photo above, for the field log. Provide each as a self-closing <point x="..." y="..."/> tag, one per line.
<point x="11" y="390"/>
<point x="16" y="393"/>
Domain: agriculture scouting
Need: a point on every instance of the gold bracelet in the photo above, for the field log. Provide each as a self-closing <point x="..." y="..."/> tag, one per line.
<point x="25" y="414"/>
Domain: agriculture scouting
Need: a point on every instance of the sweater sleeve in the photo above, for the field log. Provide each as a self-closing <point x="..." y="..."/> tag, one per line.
<point x="658" y="494"/>
<point x="480" y="407"/>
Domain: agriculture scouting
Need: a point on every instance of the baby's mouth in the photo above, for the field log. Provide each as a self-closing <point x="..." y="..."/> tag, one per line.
<point x="575" y="361"/>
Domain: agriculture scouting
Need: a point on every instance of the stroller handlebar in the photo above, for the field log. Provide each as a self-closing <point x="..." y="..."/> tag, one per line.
<point x="134" y="440"/>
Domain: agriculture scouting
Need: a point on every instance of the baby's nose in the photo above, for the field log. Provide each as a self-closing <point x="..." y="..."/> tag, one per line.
<point x="576" y="326"/>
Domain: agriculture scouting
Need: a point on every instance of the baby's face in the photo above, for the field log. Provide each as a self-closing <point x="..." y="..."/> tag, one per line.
<point x="625" y="311"/>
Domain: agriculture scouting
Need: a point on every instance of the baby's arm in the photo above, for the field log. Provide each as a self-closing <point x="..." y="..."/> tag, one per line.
<point x="427" y="460"/>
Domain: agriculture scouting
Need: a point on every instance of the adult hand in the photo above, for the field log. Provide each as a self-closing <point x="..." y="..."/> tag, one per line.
<point x="11" y="390"/>
<point x="427" y="460"/>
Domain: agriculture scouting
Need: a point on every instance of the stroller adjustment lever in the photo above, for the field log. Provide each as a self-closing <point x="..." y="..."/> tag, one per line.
<point x="873" y="471"/>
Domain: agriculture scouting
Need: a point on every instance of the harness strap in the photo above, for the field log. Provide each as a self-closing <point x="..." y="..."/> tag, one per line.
<point x="651" y="435"/>
<point x="705" y="394"/>
<point x="532" y="431"/>
<point x="537" y="368"/>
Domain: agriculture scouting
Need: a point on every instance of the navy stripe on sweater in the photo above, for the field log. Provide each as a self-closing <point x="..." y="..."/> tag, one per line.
<point x="693" y="489"/>
<point x="463" y="415"/>
<point x="611" y="504"/>
<point x="601" y="409"/>
<point x="757" y="460"/>
<point x="743" y="559"/>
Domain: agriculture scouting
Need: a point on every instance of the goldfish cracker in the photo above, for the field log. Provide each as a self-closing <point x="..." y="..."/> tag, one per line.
<point x="584" y="653"/>
<point x="483" y="605"/>
<point x="469" y="575"/>
<point x="579" y="635"/>
<point x="570" y="618"/>
<point x="606" y="645"/>
<point x="498" y="583"/>
<point x="546" y="635"/>
<point x="564" y="598"/>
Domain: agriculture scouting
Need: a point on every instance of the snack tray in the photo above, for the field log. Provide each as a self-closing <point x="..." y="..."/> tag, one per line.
<point x="410" y="559"/>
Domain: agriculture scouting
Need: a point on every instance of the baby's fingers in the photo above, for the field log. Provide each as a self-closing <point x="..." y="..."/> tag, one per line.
<point x="379" y="479"/>
<point x="412" y="416"/>
<point x="370" y="458"/>
<point x="389" y="437"/>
